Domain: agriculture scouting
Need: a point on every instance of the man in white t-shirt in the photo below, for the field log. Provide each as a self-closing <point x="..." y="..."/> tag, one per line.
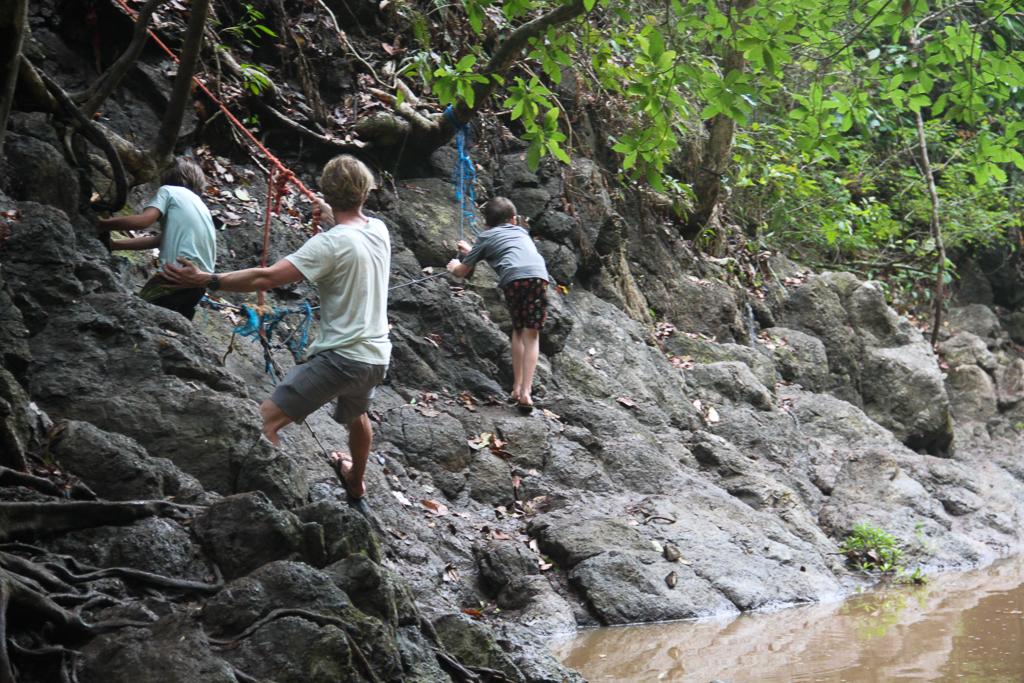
<point x="350" y="265"/>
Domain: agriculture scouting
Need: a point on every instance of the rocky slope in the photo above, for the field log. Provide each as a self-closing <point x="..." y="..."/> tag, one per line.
<point x="701" y="450"/>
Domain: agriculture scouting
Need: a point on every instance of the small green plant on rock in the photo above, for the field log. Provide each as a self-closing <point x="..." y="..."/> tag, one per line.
<point x="871" y="549"/>
<point x="917" y="578"/>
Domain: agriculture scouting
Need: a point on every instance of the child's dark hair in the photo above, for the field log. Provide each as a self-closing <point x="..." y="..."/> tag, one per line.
<point x="185" y="173"/>
<point x="499" y="211"/>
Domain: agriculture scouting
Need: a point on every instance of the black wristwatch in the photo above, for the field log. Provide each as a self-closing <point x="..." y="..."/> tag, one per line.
<point x="214" y="284"/>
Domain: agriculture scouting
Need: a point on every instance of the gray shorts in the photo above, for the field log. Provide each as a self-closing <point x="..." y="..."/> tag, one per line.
<point x="324" y="377"/>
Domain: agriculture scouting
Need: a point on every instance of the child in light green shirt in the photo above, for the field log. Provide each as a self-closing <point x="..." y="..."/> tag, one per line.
<point x="186" y="230"/>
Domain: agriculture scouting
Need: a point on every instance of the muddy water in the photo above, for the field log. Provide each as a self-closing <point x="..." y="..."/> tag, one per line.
<point x="961" y="627"/>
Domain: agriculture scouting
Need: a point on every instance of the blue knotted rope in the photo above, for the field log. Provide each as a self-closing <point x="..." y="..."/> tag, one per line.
<point x="262" y="326"/>
<point x="464" y="175"/>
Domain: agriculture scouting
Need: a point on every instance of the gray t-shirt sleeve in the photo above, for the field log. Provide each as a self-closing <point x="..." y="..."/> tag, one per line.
<point x="478" y="252"/>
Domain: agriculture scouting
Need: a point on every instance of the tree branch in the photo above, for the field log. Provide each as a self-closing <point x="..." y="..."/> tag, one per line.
<point x="167" y="138"/>
<point x="337" y="145"/>
<point x="13" y="17"/>
<point x="93" y="97"/>
<point x="506" y="55"/>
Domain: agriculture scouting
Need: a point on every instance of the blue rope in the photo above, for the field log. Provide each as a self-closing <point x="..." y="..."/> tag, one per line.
<point x="464" y="175"/>
<point x="263" y="327"/>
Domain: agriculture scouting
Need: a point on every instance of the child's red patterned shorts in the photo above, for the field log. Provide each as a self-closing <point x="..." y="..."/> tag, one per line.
<point x="527" y="302"/>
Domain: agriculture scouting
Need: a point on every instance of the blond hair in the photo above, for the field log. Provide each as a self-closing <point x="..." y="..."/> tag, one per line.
<point x="185" y="173"/>
<point x="346" y="183"/>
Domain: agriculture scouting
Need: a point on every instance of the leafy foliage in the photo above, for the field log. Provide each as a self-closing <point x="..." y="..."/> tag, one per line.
<point x="872" y="549"/>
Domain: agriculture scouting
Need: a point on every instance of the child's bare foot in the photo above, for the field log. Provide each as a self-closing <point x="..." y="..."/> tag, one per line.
<point x="342" y="463"/>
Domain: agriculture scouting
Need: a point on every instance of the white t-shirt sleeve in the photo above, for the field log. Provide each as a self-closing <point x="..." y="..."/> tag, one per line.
<point x="314" y="259"/>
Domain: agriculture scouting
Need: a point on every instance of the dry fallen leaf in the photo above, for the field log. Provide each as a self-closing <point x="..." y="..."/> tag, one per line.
<point x="628" y="402"/>
<point x="516" y="481"/>
<point x="451" y="573"/>
<point x="500" y="536"/>
<point x="401" y="498"/>
<point x="713" y="415"/>
<point x="438" y="509"/>
<point x="242" y="194"/>
<point x="475" y="613"/>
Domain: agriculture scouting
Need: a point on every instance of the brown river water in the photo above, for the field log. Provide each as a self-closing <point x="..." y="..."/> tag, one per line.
<point x="959" y="628"/>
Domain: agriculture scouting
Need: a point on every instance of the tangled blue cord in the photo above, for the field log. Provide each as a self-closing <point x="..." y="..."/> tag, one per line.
<point x="264" y="326"/>
<point x="464" y="176"/>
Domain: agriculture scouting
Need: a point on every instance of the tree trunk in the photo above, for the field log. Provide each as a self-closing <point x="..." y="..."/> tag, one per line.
<point x="13" y="17"/>
<point x="718" y="153"/>
<point x="940" y="269"/>
<point x="181" y="93"/>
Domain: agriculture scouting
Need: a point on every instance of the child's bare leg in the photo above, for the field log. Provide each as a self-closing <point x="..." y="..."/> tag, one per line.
<point x="517" y="364"/>
<point x="530" y="340"/>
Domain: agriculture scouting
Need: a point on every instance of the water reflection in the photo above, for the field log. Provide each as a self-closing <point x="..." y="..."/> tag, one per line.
<point x="959" y="628"/>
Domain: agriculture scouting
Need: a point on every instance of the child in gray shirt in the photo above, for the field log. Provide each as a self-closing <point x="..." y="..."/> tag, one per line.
<point x="523" y="277"/>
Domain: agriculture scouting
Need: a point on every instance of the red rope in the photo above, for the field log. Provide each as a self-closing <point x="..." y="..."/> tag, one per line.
<point x="285" y="175"/>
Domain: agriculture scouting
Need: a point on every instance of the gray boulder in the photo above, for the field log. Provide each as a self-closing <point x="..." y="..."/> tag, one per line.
<point x="572" y="543"/>
<point x="972" y="394"/>
<point x="799" y="358"/>
<point x="154" y="545"/>
<point x="474" y="644"/>
<point x="42" y="175"/>
<point x="434" y="444"/>
<point x="702" y="351"/>
<point x="966" y="348"/>
<point x="904" y="392"/>
<point x="173" y="650"/>
<point x="621" y="588"/>
<point x="346" y="531"/>
<point x="244" y="532"/>
<point x="977" y="319"/>
<point x="1010" y="383"/>
<point x="375" y="590"/>
<point x="1013" y="323"/>
<point x="317" y="651"/>
<point x="116" y="467"/>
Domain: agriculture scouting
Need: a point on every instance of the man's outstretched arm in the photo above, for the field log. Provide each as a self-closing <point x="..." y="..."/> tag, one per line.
<point x="249" y="280"/>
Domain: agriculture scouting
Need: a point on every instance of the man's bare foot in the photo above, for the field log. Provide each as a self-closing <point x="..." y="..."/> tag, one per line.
<point x="342" y="463"/>
<point x="514" y="395"/>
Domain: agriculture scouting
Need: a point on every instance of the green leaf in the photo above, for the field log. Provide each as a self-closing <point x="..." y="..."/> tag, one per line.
<point x="533" y="154"/>
<point x="558" y="152"/>
<point x="466" y="63"/>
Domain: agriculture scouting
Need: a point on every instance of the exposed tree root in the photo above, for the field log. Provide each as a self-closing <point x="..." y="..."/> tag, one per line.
<point x="124" y="573"/>
<point x="36" y="520"/>
<point x="9" y="477"/>
<point x="96" y="137"/>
